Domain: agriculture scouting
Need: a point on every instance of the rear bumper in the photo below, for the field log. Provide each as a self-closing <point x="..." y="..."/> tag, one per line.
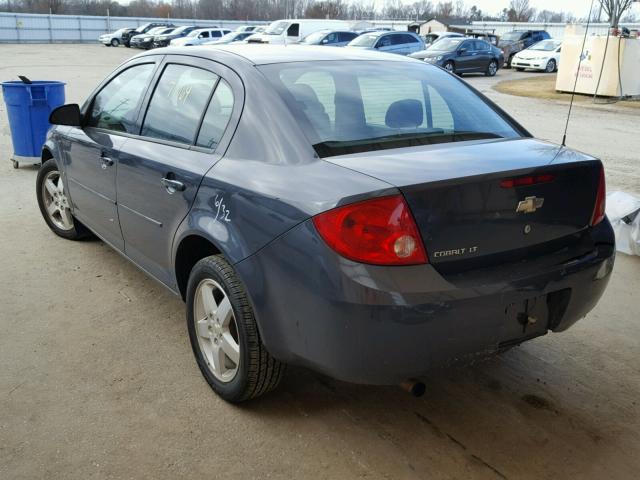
<point x="381" y="325"/>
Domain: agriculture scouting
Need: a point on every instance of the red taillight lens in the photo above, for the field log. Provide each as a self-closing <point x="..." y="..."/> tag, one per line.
<point x="529" y="180"/>
<point x="601" y="201"/>
<point x="380" y="231"/>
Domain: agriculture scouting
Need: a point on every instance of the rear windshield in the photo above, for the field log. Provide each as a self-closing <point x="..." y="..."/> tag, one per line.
<point x="380" y="105"/>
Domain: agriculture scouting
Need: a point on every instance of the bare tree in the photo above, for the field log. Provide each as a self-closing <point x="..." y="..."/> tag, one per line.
<point x="520" y="11"/>
<point x="615" y="9"/>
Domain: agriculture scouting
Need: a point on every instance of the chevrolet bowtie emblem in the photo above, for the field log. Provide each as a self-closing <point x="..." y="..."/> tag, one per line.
<point x="530" y="205"/>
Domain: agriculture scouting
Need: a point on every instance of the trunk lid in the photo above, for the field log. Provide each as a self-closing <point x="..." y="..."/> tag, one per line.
<point x="472" y="201"/>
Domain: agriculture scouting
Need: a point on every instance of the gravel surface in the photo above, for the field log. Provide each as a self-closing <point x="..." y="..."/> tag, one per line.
<point x="98" y="380"/>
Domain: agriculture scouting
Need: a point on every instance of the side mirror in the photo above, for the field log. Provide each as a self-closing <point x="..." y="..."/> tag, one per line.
<point x="68" y="115"/>
<point x="324" y="41"/>
<point x="462" y="51"/>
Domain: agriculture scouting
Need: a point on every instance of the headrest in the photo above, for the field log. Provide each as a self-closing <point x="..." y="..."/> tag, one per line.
<point x="404" y="114"/>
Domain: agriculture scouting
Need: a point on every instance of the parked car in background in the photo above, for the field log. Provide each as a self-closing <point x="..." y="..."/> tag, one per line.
<point x="231" y="37"/>
<point x="248" y="28"/>
<point x="163" y="39"/>
<point x="332" y="38"/>
<point x="145" y="40"/>
<point x="463" y="55"/>
<point x="402" y="43"/>
<point x="513" y="42"/>
<point x="544" y="55"/>
<point x="200" y="36"/>
<point x="365" y="215"/>
<point x="292" y="31"/>
<point x="145" y="28"/>
<point x="116" y="38"/>
<point x="492" y="38"/>
<point x="433" y="37"/>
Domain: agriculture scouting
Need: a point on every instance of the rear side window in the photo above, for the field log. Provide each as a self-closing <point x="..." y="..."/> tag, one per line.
<point x="408" y="38"/>
<point x="347" y="36"/>
<point x="217" y="117"/>
<point x="216" y="34"/>
<point x="177" y="103"/>
<point x="115" y="107"/>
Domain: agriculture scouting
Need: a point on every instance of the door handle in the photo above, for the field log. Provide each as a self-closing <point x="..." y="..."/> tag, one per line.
<point x="106" y="162"/>
<point x="172" y="186"/>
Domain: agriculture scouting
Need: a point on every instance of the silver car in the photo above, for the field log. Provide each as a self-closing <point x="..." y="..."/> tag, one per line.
<point x="402" y="43"/>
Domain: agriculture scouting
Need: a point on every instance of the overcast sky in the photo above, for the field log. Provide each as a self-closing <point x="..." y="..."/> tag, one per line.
<point x="580" y="8"/>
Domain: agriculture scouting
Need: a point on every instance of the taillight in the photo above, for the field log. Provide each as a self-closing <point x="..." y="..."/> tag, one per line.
<point x="601" y="201"/>
<point x="380" y="231"/>
<point x="524" y="181"/>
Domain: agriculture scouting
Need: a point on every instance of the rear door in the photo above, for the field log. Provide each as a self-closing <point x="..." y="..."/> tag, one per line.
<point x="483" y="55"/>
<point x="93" y="152"/>
<point x="183" y="135"/>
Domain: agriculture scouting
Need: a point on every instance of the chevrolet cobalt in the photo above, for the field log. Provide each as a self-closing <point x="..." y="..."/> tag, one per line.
<point x="362" y="214"/>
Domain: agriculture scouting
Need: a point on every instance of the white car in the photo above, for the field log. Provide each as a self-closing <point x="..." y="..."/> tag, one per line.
<point x="113" y="39"/>
<point x="200" y="36"/>
<point x="544" y="56"/>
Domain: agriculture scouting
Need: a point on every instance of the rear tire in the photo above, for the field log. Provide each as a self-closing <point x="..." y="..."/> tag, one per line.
<point x="492" y="68"/>
<point x="219" y="334"/>
<point x="54" y="204"/>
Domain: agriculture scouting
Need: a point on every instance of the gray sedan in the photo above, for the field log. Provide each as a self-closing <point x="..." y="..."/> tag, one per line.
<point x="402" y="43"/>
<point x="365" y="215"/>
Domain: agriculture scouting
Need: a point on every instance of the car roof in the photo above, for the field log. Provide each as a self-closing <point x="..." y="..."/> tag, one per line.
<point x="267" y="54"/>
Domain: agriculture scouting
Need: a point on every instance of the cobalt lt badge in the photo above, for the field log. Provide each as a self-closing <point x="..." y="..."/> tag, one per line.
<point x="530" y="205"/>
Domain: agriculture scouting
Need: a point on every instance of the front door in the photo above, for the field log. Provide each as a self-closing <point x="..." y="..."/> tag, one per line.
<point x="92" y="162"/>
<point x="160" y="170"/>
<point x="466" y="59"/>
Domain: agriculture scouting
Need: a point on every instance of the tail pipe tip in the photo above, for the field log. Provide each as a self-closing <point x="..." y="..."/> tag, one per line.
<point x="414" y="387"/>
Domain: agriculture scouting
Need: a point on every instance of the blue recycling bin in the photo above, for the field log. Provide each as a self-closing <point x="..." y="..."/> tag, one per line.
<point x="28" y="108"/>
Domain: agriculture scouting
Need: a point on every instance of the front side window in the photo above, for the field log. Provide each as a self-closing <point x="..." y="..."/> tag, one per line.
<point x="177" y="103"/>
<point x="217" y="117"/>
<point x="116" y="106"/>
<point x="379" y="105"/>
<point x="294" y="30"/>
<point x="204" y="35"/>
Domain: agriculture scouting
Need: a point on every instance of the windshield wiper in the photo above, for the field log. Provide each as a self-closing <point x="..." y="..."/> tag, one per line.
<point x="331" y="148"/>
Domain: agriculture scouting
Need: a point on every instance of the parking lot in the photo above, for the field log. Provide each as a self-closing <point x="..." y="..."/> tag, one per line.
<point x="98" y="379"/>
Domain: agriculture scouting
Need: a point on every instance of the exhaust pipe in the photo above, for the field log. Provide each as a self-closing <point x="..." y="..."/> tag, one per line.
<point x="414" y="387"/>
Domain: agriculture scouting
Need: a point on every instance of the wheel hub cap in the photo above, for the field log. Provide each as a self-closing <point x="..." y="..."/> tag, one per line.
<point x="216" y="330"/>
<point x="55" y="201"/>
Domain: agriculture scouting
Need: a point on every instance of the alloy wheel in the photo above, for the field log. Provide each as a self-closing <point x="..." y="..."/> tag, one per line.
<point x="449" y="67"/>
<point x="216" y="329"/>
<point x="551" y="66"/>
<point x="55" y="201"/>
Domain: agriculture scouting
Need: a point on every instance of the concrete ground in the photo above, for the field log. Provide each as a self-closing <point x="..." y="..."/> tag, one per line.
<point x="97" y="378"/>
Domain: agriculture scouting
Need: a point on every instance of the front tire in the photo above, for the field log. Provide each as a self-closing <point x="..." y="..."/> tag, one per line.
<point x="54" y="204"/>
<point x="551" y="66"/>
<point x="224" y="334"/>
<point x="518" y="69"/>
<point x="115" y="42"/>
<point x="449" y="67"/>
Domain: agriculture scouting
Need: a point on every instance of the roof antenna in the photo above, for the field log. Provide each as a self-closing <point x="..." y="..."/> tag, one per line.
<point x="575" y="85"/>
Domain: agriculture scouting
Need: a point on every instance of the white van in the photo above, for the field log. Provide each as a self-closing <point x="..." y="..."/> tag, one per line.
<point x="292" y="31"/>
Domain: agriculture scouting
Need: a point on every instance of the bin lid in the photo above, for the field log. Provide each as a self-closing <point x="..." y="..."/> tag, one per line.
<point x="34" y="83"/>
